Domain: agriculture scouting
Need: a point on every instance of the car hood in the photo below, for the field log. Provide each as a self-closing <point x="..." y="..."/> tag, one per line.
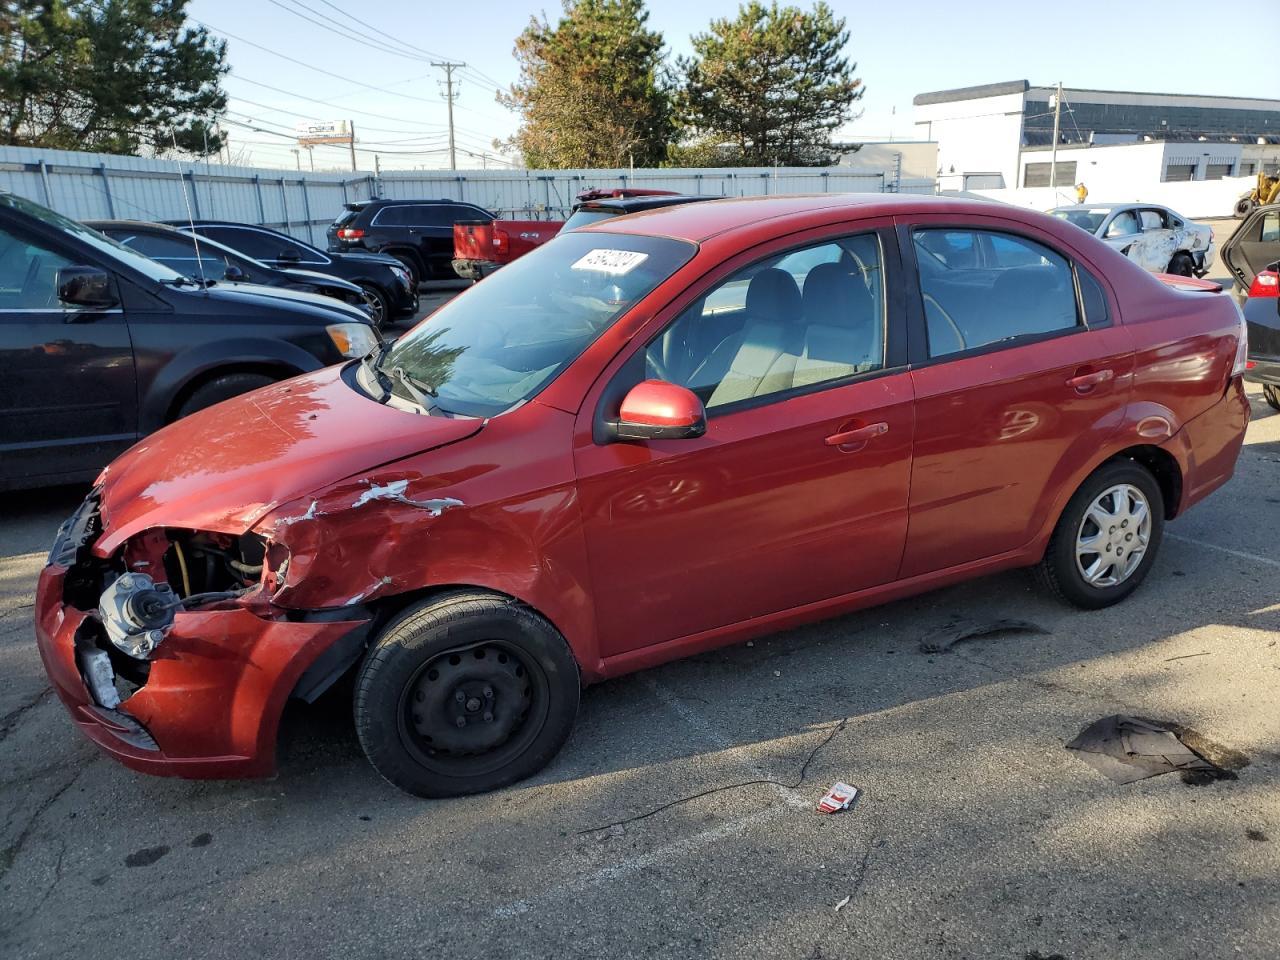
<point x="324" y="309"/>
<point x="328" y="280"/>
<point x="355" y="256"/>
<point x="224" y="468"/>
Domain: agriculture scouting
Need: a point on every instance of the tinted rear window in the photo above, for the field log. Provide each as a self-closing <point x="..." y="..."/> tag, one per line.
<point x="581" y="218"/>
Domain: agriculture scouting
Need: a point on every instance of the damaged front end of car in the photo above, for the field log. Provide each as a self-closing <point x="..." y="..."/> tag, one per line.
<point x="171" y="650"/>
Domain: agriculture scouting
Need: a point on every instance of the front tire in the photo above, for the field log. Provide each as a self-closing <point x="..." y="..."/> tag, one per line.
<point x="222" y="388"/>
<point x="379" y="305"/>
<point x="464" y="693"/>
<point x="1107" y="537"/>
<point x="1272" y="394"/>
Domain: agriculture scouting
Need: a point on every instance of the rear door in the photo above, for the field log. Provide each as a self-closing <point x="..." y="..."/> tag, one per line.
<point x="1017" y="372"/>
<point x="67" y="383"/>
<point x="1254" y="246"/>
<point x="1158" y="243"/>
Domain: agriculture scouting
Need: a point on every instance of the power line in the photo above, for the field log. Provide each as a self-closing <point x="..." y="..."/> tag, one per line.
<point x="309" y="66"/>
<point x="345" y="32"/>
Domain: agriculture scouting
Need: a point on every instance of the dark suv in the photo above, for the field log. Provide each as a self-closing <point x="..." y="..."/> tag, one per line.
<point x="418" y="233"/>
<point x="100" y="345"/>
<point x="389" y="286"/>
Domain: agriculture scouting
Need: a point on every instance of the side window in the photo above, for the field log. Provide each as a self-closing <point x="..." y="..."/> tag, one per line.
<point x="811" y="316"/>
<point x="394" y="216"/>
<point x="1270" y="227"/>
<point x="1152" y="220"/>
<point x="1125" y="224"/>
<point x="176" y="253"/>
<point x="1093" y="298"/>
<point x="28" y="275"/>
<point x="1027" y="290"/>
<point x="251" y="243"/>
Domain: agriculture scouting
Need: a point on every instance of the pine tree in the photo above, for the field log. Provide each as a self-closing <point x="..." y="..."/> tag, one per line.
<point x="769" y="86"/>
<point x="593" y="91"/>
<point x="109" y="75"/>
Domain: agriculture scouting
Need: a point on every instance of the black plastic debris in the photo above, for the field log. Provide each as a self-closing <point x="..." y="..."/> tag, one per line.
<point x="1126" y="749"/>
<point x="948" y="635"/>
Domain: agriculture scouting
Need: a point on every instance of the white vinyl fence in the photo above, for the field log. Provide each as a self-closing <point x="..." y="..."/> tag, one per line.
<point x="89" y="186"/>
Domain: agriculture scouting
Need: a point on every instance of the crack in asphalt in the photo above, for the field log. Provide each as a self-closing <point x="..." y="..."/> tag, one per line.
<point x="9" y="856"/>
<point x="10" y="719"/>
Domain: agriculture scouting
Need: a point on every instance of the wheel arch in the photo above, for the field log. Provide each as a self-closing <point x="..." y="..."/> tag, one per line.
<point x="271" y="368"/>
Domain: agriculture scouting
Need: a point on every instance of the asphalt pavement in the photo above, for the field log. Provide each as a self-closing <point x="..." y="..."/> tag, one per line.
<point x="978" y="835"/>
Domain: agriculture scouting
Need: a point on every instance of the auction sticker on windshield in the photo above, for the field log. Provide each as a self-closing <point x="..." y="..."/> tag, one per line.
<point x="615" y="262"/>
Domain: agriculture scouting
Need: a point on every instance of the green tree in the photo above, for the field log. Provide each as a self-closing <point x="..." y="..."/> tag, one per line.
<point x="769" y="86"/>
<point x="109" y="75"/>
<point x="593" y="91"/>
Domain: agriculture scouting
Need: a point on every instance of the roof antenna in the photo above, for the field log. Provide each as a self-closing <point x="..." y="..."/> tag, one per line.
<point x="204" y="283"/>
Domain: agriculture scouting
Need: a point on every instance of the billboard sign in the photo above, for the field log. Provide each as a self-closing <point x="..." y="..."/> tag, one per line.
<point x="322" y="131"/>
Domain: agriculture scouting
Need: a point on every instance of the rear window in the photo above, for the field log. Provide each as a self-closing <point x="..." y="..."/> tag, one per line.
<point x="346" y="216"/>
<point x="585" y="216"/>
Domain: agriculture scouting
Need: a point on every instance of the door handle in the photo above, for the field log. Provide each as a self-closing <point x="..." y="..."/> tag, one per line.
<point x="1083" y="382"/>
<point x="857" y="435"/>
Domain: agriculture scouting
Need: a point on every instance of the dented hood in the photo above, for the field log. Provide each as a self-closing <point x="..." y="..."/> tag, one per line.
<point x="225" y="467"/>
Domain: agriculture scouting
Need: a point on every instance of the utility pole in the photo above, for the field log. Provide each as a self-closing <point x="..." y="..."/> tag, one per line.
<point x="1057" y="119"/>
<point x="297" y="156"/>
<point x="351" y="124"/>
<point x="448" y="68"/>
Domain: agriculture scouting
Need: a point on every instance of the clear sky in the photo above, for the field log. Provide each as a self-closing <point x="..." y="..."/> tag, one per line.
<point x="1176" y="46"/>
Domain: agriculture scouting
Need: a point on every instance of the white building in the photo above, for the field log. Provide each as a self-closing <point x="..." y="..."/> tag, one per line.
<point x="1001" y="136"/>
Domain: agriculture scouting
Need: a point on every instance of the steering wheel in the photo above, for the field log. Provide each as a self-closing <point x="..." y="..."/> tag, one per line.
<point x="930" y="299"/>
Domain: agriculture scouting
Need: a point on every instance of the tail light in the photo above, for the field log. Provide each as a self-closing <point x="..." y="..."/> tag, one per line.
<point x="501" y="240"/>
<point x="1242" y="344"/>
<point x="1265" y="284"/>
<point x="350" y="233"/>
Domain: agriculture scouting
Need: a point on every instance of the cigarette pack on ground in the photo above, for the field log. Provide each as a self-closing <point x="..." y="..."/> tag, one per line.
<point x="841" y="796"/>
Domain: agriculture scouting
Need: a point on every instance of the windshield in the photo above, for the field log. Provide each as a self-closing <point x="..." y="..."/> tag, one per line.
<point x="116" y="251"/>
<point x="1086" y="218"/>
<point x="584" y="216"/>
<point x="503" y="340"/>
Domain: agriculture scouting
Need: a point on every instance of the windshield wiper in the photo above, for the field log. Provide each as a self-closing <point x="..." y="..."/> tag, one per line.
<point x="371" y="362"/>
<point x="421" y="391"/>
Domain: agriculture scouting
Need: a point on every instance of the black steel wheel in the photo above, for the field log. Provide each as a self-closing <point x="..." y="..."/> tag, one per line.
<point x="464" y="693"/>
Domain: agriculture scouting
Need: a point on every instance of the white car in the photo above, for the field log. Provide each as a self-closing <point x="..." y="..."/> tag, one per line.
<point x="1154" y="237"/>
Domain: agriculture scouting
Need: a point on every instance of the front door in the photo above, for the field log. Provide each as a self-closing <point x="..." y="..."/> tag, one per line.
<point x="68" y="401"/>
<point x="1015" y="389"/>
<point x="798" y="490"/>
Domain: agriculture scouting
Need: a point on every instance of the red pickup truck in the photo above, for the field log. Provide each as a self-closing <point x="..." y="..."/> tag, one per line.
<point x="482" y="246"/>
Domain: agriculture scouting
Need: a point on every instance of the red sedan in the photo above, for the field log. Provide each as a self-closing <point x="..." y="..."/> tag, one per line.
<point x="670" y="432"/>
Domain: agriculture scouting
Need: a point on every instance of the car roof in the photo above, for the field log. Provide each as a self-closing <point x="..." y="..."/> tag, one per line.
<point x="697" y="222"/>
<point x="129" y="225"/>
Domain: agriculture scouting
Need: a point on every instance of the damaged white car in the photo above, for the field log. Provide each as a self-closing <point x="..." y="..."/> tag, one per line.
<point x="1155" y="237"/>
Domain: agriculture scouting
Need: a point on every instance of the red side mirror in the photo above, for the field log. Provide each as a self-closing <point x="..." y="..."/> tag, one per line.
<point x="657" y="410"/>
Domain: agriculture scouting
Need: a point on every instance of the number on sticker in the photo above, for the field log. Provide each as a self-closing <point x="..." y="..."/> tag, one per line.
<point x="614" y="262"/>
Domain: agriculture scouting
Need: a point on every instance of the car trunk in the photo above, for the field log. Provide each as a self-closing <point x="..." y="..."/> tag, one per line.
<point x="1254" y="246"/>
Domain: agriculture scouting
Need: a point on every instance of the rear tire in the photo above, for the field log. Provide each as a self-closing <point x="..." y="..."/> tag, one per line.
<point x="1182" y="265"/>
<point x="1272" y="394"/>
<point x="1088" y="562"/>
<point x="464" y="693"/>
<point x="222" y="388"/>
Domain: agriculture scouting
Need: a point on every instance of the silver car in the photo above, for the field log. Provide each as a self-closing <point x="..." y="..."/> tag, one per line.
<point x="1155" y="237"/>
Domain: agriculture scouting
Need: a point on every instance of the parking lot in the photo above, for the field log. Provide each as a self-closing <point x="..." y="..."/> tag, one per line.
<point x="679" y="820"/>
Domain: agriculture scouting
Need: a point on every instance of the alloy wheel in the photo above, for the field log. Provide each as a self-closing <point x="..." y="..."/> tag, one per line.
<point x="1113" y="536"/>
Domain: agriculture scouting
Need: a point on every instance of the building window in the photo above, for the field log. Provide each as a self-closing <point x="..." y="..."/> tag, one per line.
<point x="1219" y="167"/>
<point x="1037" y="174"/>
<point x="1180" y="168"/>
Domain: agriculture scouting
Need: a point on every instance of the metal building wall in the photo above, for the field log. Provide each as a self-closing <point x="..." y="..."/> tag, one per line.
<point x="92" y="185"/>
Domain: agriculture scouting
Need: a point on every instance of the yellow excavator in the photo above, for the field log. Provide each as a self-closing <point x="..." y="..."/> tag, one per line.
<point x="1267" y="191"/>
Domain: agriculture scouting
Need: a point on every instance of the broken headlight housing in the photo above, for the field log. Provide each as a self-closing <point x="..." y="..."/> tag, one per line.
<point x="137" y="613"/>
